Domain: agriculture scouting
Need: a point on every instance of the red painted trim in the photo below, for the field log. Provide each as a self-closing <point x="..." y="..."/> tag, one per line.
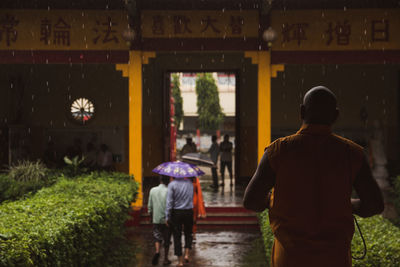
<point x="63" y="57"/>
<point x="199" y="44"/>
<point x="335" y="57"/>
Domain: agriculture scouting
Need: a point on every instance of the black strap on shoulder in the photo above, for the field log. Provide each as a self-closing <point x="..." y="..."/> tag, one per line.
<point x="362" y="237"/>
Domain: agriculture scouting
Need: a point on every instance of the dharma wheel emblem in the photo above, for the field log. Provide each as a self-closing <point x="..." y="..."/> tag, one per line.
<point x="82" y="110"/>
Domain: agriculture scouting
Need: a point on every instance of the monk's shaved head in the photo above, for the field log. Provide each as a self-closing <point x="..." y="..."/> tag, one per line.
<point x="319" y="106"/>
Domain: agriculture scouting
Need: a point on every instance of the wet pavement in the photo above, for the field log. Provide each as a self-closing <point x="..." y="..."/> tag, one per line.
<point x="217" y="248"/>
<point x="214" y="247"/>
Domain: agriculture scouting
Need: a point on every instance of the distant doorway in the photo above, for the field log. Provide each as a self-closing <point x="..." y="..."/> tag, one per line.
<point x="201" y="104"/>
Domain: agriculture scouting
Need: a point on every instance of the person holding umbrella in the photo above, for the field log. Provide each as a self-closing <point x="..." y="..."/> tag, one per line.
<point x="179" y="206"/>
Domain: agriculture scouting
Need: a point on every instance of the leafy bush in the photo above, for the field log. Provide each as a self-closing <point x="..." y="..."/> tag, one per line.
<point x="381" y="236"/>
<point x="397" y="193"/>
<point x="70" y="223"/>
<point x="266" y="232"/>
<point x="74" y="166"/>
<point x="383" y="243"/>
<point x="28" y="171"/>
<point x="24" y="178"/>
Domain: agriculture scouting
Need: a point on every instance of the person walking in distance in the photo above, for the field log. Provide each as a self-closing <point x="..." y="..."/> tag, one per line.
<point x="226" y="158"/>
<point x="214" y="152"/>
<point x="312" y="174"/>
<point x="156" y="208"/>
<point x="179" y="214"/>
<point x="199" y="209"/>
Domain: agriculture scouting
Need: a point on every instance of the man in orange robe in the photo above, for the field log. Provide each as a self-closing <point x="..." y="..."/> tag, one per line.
<point x="312" y="174"/>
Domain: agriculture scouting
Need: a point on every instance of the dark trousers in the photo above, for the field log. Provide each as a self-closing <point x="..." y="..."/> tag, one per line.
<point x="228" y="164"/>
<point x="214" y="176"/>
<point x="179" y="219"/>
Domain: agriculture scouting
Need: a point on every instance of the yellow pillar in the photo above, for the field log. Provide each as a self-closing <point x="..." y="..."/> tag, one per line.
<point x="264" y="101"/>
<point x="266" y="71"/>
<point x="135" y="120"/>
<point x="133" y="70"/>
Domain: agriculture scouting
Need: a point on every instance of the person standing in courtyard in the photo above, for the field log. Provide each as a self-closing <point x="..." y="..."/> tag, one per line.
<point x="312" y="174"/>
<point x="179" y="215"/>
<point x="156" y="208"/>
<point x="226" y="148"/>
<point x="189" y="147"/>
<point x="214" y="152"/>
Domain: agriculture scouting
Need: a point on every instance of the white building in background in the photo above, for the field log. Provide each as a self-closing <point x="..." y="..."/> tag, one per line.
<point x="226" y="83"/>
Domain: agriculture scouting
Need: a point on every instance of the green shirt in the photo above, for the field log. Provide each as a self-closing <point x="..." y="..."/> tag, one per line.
<point x="157" y="202"/>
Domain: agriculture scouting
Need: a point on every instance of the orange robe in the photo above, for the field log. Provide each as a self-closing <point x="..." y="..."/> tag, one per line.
<point x="311" y="212"/>
<point x="198" y="203"/>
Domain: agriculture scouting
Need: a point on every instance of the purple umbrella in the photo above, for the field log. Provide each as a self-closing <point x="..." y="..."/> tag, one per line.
<point x="178" y="169"/>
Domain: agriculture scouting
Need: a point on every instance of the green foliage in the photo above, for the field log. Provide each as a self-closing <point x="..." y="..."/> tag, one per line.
<point x="28" y="171"/>
<point x="74" y="166"/>
<point x="266" y="232"/>
<point x="381" y="236"/>
<point x="397" y="193"/>
<point x="71" y="223"/>
<point x="178" y="101"/>
<point x="23" y="179"/>
<point x="383" y="243"/>
<point x="208" y="107"/>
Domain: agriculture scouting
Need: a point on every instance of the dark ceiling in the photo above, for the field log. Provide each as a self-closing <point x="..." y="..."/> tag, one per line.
<point x="197" y="4"/>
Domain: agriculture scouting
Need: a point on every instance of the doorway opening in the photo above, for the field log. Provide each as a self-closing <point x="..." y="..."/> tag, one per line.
<point x="202" y="105"/>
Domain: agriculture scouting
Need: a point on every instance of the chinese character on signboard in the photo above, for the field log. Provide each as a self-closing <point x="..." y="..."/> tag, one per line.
<point x="236" y="24"/>
<point x="7" y="30"/>
<point x="342" y="32"/>
<point x="158" y="25"/>
<point x="209" y="22"/>
<point x="45" y="31"/>
<point x="62" y="33"/>
<point x="294" y="32"/>
<point x="106" y="33"/>
<point x="380" y="30"/>
<point x="181" y="24"/>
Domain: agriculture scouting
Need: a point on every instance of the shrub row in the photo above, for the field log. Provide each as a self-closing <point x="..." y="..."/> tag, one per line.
<point x="381" y="236"/>
<point x="24" y="178"/>
<point x="70" y="223"/>
<point x="11" y="189"/>
<point x="397" y="194"/>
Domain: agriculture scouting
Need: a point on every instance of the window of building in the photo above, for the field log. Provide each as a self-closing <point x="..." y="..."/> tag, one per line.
<point x="82" y="110"/>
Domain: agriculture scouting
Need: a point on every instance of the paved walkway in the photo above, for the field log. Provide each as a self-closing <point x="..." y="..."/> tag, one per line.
<point x="215" y="247"/>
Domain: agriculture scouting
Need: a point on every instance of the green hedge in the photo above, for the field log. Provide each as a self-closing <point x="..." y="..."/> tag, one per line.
<point x="70" y="223"/>
<point x="11" y="189"/>
<point x="25" y="178"/>
<point x="397" y="193"/>
<point x="381" y="236"/>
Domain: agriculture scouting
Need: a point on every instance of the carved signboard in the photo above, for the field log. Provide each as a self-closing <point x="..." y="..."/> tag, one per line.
<point x="321" y="30"/>
<point x="62" y="30"/>
<point x="199" y="24"/>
